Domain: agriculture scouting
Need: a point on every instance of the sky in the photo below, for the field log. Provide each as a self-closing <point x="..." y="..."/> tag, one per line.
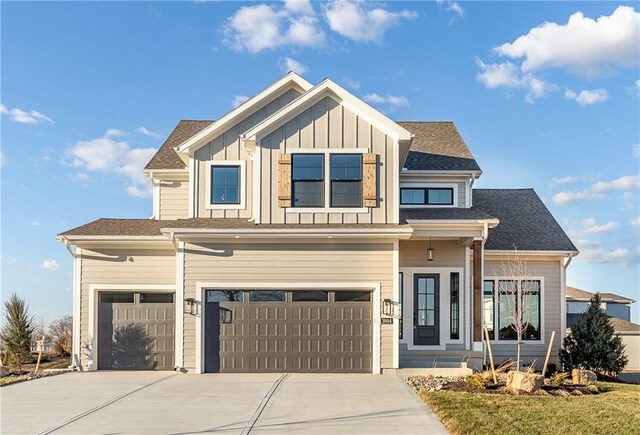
<point x="545" y="94"/>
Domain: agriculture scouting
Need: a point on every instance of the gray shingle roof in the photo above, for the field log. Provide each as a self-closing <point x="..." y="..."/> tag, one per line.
<point x="445" y="213"/>
<point x="438" y="145"/>
<point x="435" y="146"/>
<point x="577" y="294"/>
<point x="525" y="222"/>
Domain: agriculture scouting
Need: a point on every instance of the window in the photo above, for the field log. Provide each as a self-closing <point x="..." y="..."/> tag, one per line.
<point x="310" y="296"/>
<point x="267" y="296"/>
<point x="507" y="306"/>
<point x="353" y="296"/>
<point x="346" y="180"/>
<point x="530" y="297"/>
<point x="224" y="296"/>
<point x="488" y="307"/>
<point x="225" y="184"/>
<point x="156" y="298"/>
<point x="426" y="196"/>
<point x="116" y="298"/>
<point x="308" y="180"/>
<point x="401" y="284"/>
<point x="455" y="306"/>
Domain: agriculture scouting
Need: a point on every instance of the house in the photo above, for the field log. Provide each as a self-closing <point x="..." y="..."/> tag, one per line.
<point x="618" y="308"/>
<point x="304" y="231"/>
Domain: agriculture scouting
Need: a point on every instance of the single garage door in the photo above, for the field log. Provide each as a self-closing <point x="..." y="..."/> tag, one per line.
<point x="136" y="331"/>
<point x="288" y="331"/>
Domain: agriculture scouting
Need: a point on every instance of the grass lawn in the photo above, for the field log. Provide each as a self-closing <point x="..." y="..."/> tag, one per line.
<point x="615" y="411"/>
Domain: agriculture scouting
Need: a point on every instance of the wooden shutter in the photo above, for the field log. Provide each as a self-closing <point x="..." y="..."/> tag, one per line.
<point x="284" y="180"/>
<point x="369" y="180"/>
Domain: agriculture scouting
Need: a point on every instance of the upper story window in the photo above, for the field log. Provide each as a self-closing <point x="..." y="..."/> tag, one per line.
<point x="346" y="180"/>
<point x="225" y="184"/>
<point x="307" y="180"/>
<point x="426" y="196"/>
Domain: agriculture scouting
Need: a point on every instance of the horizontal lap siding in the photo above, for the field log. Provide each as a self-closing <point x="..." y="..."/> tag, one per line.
<point x="303" y="263"/>
<point x="174" y="200"/>
<point x="227" y="146"/>
<point x="530" y="351"/>
<point x="125" y="267"/>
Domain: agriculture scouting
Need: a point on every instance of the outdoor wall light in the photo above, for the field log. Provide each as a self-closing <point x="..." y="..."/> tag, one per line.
<point x="430" y="252"/>
<point x="387" y="307"/>
<point x="190" y="306"/>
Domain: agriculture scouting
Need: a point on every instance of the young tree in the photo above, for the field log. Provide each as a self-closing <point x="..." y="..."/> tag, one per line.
<point x="518" y="301"/>
<point x="593" y="344"/>
<point x="17" y="331"/>
<point x="60" y="332"/>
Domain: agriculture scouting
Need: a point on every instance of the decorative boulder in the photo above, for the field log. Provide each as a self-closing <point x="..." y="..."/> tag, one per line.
<point x="583" y="377"/>
<point x="528" y="382"/>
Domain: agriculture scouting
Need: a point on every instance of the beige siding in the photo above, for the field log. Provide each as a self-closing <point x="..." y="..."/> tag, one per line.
<point x="290" y="263"/>
<point x="120" y="267"/>
<point x="326" y="124"/>
<point x="449" y="181"/>
<point x="632" y="349"/>
<point x="174" y="200"/>
<point x="227" y="146"/>
<point x="448" y="253"/>
<point x="550" y="270"/>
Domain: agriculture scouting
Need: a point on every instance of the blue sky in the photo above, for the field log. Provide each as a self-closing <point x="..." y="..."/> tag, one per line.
<point x="90" y="90"/>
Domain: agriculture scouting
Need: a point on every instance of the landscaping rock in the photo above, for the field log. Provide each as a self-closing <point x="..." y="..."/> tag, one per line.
<point x="583" y="377"/>
<point x="520" y="381"/>
<point x="430" y="383"/>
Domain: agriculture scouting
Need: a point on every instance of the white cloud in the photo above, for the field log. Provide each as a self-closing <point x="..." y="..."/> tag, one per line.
<point x="637" y="86"/>
<point x="635" y="222"/>
<point x="24" y="117"/>
<point x="35" y="223"/>
<point x="563" y="180"/>
<point x="360" y="22"/>
<point x="3" y="159"/>
<point x="587" y="97"/>
<point x="266" y="27"/>
<point x="288" y="64"/>
<point x="635" y="150"/>
<point x="390" y="100"/>
<point x="238" y="100"/>
<point x="582" y="46"/>
<point x="456" y="8"/>
<point x="353" y="84"/>
<point x="593" y="252"/>
<point x="50" y="265"/>
<point x="508" y="75"/>
<point x="114" y="132"/>
<point x="146" y="132"/>
<point x="590" y="226"/>
<point x="597" y="190"/>
<point x="108" y="156"/>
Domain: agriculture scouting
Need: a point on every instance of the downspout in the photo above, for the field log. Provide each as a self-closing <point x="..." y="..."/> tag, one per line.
<point x="569" y="261"/>
<point x="67" y="244"/>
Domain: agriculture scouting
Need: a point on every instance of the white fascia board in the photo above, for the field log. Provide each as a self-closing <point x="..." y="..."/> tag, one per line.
<point x="406" y="172"/>
<point x="417" y="223"/>
<point x="72" y="238"/>
<point x="180" y="233"/>
<point x="199" y="139"/>
<point x="520" y="251"/>
<point x="343" y="97"/>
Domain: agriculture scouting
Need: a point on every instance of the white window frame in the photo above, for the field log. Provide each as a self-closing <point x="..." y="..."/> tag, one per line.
<point x="242" y="189"/>
<point x="428" y="185"/>
<point x="326" y="152"/>
<point x="496" y="307"/>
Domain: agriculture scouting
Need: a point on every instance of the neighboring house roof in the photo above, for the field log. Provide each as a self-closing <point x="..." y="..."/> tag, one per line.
<point x="446" y="213"/>
<point x="579" y="295"/>
<point x="150" y="227"/>
<point x="619" y="325"/>
<point x="525" y="222"/>
<point x="166" y="157"/>
<point x="437" y="146"/>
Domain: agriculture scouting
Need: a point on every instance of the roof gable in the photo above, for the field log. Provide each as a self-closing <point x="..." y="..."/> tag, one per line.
<point x="166" y="157"/>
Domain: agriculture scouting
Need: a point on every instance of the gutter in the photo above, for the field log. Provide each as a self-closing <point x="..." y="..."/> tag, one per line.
<point x="67" y="244"/>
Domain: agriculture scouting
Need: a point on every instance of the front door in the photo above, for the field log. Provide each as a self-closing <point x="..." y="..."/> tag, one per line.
<point x="426" y="294"/>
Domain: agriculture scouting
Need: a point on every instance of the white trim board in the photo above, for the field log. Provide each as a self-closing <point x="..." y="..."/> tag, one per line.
<point x="92" y="333"/>
<point x="77" y="309"/>
<point x="201" y="287"/>
<point x="242" y="188"/>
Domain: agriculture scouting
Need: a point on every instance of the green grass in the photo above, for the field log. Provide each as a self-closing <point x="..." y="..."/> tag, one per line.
<point x="615" y="411"/>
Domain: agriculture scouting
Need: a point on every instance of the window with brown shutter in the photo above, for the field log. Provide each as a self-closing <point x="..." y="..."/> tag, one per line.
<point x="369" y="180"/>
<point x="284" y="180"/>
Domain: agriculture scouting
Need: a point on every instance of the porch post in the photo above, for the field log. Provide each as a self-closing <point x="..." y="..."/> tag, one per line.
<point x="477" y="291"/>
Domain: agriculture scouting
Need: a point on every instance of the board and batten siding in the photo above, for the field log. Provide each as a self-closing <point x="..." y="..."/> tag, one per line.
<point x="227" y="146"/>
<point x="306" y="263"/>
<point x="447" y="253"/>
<point x="326" y="125"/>
<point x="120" y="267"/>
<point x="174" y="200"/>
<point x="550" y="270"/>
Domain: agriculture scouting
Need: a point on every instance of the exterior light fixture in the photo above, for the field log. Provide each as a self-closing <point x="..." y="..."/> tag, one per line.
<point x="387" y="307"/>
<point x="190" y="306"/>
<point x="430" y="252"/>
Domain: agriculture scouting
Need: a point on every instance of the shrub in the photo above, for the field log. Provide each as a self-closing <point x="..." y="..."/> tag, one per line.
<point x="16" y="332"/>
<point x="60" y="332"/>
<point x="477" y="381"/>
<point x="593" y="344"/>
<point x="557" y="379"/>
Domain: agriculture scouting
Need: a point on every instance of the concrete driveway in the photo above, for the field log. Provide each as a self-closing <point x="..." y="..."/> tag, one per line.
<point x="171" y="403"/>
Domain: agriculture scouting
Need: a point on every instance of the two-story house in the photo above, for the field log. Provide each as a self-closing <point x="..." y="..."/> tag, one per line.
<point x="304" y="231"/>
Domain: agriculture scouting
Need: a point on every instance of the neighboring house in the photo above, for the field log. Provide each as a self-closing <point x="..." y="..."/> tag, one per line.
<point x="619" y="309"/>
<point x="306" y="231"/>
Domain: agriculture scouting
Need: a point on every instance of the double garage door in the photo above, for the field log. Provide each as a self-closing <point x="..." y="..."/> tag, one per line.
<point x="288" y="331"/>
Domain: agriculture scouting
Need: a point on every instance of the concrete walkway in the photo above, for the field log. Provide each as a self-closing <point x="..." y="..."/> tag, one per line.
<point x="169" y="403"/>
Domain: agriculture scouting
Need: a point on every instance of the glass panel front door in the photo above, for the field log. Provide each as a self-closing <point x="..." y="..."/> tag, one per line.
<point x="426" y="319"/>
